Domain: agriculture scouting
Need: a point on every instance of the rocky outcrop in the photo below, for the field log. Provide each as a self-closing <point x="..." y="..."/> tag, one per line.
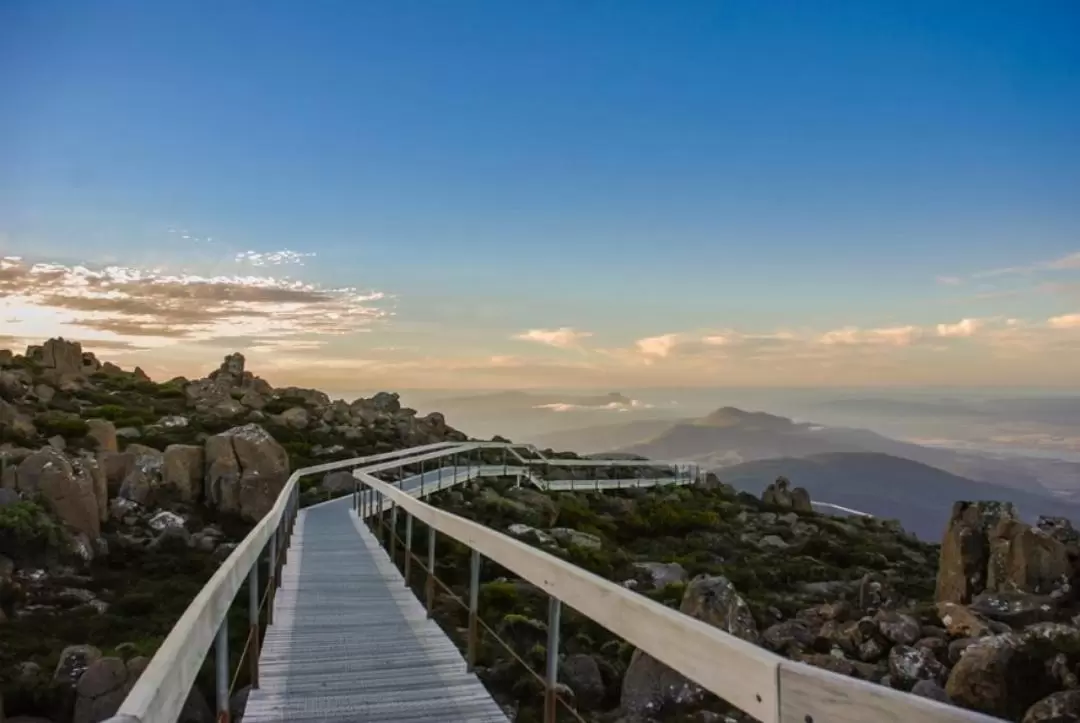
<point x="649" y="685"/>
<point x="778" y="494"/>
<point x="987" y="549"/>
<point x="245" y="470"/>
<point x="68" y="490"/>
<point x="965" y="549"/>
<point x="61" y="357"/>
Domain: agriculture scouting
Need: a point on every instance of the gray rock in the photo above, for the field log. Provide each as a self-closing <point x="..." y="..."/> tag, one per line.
<point x="1060" y="707"/>
<point x="74" y="660"/>
<point x="909" y="665"/>
<point x="649" y="685"/>
<point x="581" y="673"/>
<point x="143" y="477"/>
<point x="898" y="627"/>
<point x="182" y="470"/>
<point x="100" y="690"/>
<point x="338" y="481"/>
<point x="297" y="418"/>
<point x="245" y="470"/>
<point x="663" y="573"/>
<point x="68" y="490"/>
<point x="575" y="538"/>
<point x="104" y="432"/>
<point x="930" y="689"/>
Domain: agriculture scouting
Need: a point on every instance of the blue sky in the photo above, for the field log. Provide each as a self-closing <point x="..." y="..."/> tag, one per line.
<point x="624" y="170"/>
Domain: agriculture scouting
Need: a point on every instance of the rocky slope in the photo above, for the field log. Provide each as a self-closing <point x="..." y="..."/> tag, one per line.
<point x="119" y="496"/>
<point x="988" y="624"/>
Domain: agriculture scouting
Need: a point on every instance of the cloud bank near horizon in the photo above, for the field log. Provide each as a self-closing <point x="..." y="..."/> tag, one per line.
<point x="174" y="322"/>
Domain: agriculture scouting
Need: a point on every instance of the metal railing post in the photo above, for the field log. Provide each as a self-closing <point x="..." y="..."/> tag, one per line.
<point x="551" y="679"/>
<point x="379" y="516"/>
<point x="408" y="546"/>
<point x="431" y="570"/>
<point x="455" y="466"/>
<point x="474" y="609"/>
<point x="221" y="671"/>
<point x="421" y="478"/>
<point x="393" y="533"/>
<point x="271" y="582"/>
<point x="253" y="623"/>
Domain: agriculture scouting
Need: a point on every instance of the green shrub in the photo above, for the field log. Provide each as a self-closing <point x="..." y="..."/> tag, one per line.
<point x="68" y="426"/>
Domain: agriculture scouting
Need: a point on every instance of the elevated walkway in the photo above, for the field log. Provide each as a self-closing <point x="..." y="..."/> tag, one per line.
<point x="346" y="639"/>
<point x="350" y="642"/>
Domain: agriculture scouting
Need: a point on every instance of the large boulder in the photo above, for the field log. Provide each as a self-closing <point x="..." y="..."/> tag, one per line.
<point x="650" y="686"/>
<point x="182" y="470"/>
<point x="338" y="481"/>
<point x="1004" y="675"/>
<point x="142" y="478"/>
<point x="107" y="681"/>
<point x="16" y="421"/>
<point x="581" y="674"/>
<point x="1026" y="558"/>
<point x="245" y="471"/>
<point x="1060" y="707"/>
<point x="296" y="417"/>
<point x="104" y="432"/>
<point x="965" y="549"/>
<point x="68" y="490"/>
<point x="311" y="397"/>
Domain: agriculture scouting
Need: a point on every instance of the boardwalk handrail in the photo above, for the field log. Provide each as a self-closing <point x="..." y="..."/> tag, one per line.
<point x="161" y="691"/>
<point x="772" y="688"/>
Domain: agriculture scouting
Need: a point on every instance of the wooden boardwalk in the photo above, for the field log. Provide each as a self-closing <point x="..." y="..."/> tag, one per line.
<point x="351" y="643"/>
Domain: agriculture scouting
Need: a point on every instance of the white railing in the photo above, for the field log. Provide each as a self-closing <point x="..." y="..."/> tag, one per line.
<point x="767" y="686"/>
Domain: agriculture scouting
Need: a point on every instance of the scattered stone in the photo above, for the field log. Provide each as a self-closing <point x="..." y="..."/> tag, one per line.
<point x="575" y="538"/>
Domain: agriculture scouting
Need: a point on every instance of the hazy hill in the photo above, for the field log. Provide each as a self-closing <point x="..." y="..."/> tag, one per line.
<point x="730" y="436"/>
<point x="918" y="495"/>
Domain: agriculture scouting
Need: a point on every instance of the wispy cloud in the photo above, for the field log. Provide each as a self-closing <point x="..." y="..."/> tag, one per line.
<point x="657" y="346"/>
<point x="962" y="328"/>
<point x="272" y="258"/>
<point x="564" y="337"/>
<point x="1065" y="321"/>
<point x="1069" y="262"/>
<point x="891" y="336"/>
<point x="120" y="301"/>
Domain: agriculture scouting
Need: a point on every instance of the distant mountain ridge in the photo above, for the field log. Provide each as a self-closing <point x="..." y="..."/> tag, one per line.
<point x="918" y="495"/>
<point x="731" y="436"/>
